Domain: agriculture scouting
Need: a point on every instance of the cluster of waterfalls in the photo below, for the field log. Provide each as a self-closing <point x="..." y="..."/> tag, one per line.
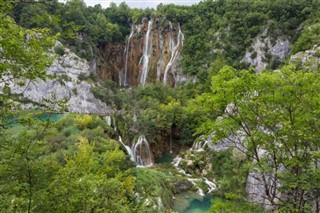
<point x="159" y="52"/>
<point x="140" y="153"/>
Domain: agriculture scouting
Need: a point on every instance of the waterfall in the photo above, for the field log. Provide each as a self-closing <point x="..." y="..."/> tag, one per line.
<point x="139" y="152"/>
<point x="127" y="148"/>
<point x="146" y="55"/>
<point x="174" y="51"/>
<point x="199" y="146"/>
<point x="125" y="81"/>
<point x="108" y="120"/>
<point x="142" y="153"/>
<point x="176" y="161"/>
<point x="210" y="184"/>
<point x="193" y="181"/>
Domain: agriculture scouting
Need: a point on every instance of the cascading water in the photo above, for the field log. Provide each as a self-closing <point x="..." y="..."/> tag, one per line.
<point x="141" y="152"/>
<point x="174" y="51"/>
<point x="125" y="81"/>
<point x="211" y="186"/>
<point x="199" y="146"/>
<point x="146" y="55"/>
<point x="127" y="148"/>
<point x="108" y="120"/>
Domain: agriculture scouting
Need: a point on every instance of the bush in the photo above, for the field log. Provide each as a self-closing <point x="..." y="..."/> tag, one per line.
<point x="59" y="50"/>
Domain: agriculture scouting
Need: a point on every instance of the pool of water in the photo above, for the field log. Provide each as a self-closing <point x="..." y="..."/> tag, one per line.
<point x="50" y="117"/>
<point x="190" y="202"/>
<point x="167" y="157"/>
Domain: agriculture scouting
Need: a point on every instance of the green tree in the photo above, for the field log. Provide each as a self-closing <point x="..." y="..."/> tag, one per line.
<point x="91" y="182"/>
<point x="273" y="118"/>
<point x="24" y="58"/>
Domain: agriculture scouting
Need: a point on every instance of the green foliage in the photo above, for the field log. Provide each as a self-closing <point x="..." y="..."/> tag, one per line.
<point x="24" y="58"/>
<point x="51" y="167"/>
<point x="59" y="50"/>
<point x="275" y="112"/>
<point x="232" y="206"/>
<point x="230" y="171"/>
<point x="154" y="184"/>
<point x="310" y="36"/>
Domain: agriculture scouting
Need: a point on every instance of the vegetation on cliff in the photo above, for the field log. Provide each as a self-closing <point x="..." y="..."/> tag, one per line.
<point x="76" y="163"/>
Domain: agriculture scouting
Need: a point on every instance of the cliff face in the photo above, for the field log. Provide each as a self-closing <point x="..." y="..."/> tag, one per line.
<point x="67" y="85"/>
<point x="150" y="54"/>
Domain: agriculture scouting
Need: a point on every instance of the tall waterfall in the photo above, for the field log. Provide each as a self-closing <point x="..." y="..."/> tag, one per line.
<point x="142" y="153"/>
<point x="174" y="48"/>
<point x="146" y="55"/>
<point x="125" y="81"/>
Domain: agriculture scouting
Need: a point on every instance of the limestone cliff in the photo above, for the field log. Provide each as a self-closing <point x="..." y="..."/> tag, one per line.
<point x="264" y="52"/>
<point x="150" y="54"/>
<point x="67" y="83"/>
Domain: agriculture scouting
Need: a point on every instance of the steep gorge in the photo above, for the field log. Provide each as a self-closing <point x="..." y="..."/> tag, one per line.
<point x="150" y="54"/>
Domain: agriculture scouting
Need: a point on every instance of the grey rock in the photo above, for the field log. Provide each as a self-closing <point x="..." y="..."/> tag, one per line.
<point x="65" y="85"/>
<point x="262" y="46"/>
<point x="309" y="59"/>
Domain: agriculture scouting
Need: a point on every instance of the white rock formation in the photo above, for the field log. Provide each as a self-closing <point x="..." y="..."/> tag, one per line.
<point x="309" y="59"/>
<point x="65" y="85"/>
<point x="262" y="46"/>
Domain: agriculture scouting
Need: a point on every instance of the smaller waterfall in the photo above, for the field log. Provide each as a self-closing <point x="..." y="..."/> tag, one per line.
<point x="139" y="152"/>
<point x="199" y="146"/>
<point x="176" y="161"/>
<point x="125" y="81"/>
<point x="211" y="185"/>
<point x="146" y="55"/>
<point x="142" y="153"/>
<point x="193" y="181"/>
<point x="108" y="120"/>
<point x="127" y="148"/>
<point x="174" y="51"/>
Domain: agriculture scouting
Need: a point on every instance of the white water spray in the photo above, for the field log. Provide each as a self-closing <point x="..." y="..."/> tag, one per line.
<point x="125" y="81"/>
<point x="199" y="146"/>
<point x="142" y="153"/>
<point x="139" y="152"/>
<point x="127" y="148"/>
<point x="174" y="51"/>
<point x="146" y="55"/>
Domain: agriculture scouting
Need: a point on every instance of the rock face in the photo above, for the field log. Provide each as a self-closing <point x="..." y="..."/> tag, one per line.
<point x="66" y="85"/>
<point x="263" y="52"/>
<point x="152" y="49"/>
<point x="255" y="185"/>
<point x="309" y="59"/>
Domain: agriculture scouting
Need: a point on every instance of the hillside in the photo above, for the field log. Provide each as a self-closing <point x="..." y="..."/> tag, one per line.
<point x="160" y="110"/>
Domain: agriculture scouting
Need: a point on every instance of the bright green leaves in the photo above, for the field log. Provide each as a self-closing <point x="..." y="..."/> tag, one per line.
<point x="91" y="182"/>
<point x="47" y="167"/>
<point x="25" y="55"/>
<point x="275" y="115"/>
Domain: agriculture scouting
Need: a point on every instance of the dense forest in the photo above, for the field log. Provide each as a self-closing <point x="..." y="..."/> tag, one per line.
<point x="243" y="126"/>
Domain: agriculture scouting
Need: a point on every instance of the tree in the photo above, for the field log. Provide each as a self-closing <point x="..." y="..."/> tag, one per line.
<point x="90" y="182"/>
<point x="272" y="117"/>
<point x="24" y="57"/>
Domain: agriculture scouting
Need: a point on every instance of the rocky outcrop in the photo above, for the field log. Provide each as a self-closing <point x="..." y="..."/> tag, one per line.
<point x="66" y="84"/>
<point x="307" y="60"/>
<point x="154" y="45"/>
<point x="264" y="52"/>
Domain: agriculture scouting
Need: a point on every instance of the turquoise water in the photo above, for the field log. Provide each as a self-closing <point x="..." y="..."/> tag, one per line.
<point x="50" y="117"/>
<point x="191" y="202"/>
<point x="165" y="158"/>
<point x="199" y="206"/>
